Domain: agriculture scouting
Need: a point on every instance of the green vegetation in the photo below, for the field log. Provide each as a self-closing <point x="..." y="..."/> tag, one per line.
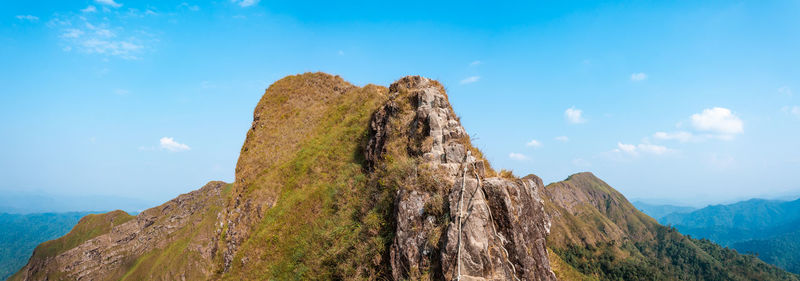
<point x="88" y="227"/>
<point x="742" y="221"/>
<point x="316" y="209"/>
<point x="20" y="234"/>
<point x="601" y="235"/>
<point x="659" y="211"/>
<point x="782" y="250"/>
<point x="331" y="220"/>
<point x="767" y="228"/>
<point x="176" y="259"/>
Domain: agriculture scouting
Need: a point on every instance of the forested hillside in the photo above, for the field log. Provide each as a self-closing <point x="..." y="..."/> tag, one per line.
<point x="19" y="235"/>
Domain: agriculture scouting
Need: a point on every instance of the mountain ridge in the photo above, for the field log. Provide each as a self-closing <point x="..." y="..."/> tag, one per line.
<point x="339" y="182"/>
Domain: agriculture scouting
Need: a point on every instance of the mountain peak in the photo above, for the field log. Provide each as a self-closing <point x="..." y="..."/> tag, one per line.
<point x="340" y="182"/>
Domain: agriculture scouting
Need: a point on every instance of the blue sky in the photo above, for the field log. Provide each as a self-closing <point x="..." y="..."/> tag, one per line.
<point x="668" y="101"/>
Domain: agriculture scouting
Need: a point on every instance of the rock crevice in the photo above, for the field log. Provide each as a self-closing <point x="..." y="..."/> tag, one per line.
<point x="494" y="228"/>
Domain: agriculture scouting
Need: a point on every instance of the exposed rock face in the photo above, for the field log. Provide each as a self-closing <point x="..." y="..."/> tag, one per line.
<point x="418" y="198"/>
<point x="494" y="228"/>
<point x="107" y="256"/>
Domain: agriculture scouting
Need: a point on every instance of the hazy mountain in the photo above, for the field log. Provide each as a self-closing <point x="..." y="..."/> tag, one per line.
<point x="19" y="235"/>
<point x="767" y="228"/>
<point x="339" y="182"/>
<point x="746" y="220"/>
<point x="598" y="235"/>
<point x="782" y="250"/>
<point x="30" y="202"/>
<point x="657" y="211"/>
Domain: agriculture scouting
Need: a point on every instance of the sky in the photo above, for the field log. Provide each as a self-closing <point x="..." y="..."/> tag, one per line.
<point x="681" y="102"/>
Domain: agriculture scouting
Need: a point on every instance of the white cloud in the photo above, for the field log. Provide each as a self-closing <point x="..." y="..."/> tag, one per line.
<point x="629" y="148"/>
<point x="652" y="148"/>
<point x="718" y="120"/>
<point x="471" y="79"/>
<point x="647" y="148"/>
<point x="27" y="17"/>
<point x="72" y="33"/>
<point x="681" y="136"/>
<point x="517" y="156"/>
<point x="171" y="145"/>
<point x="562" y="138"/>
<point x="246" y="3"/>
<point x="193" y="8"/>
<point x="101" y="34"/>
<point x="111" y="3"/>
<point x="123" y="49"/>
<point x="121" y="92"/>
<point x="641" y="76"/>
<point x="793" y="110"/>
<point x="90" y="9"/>
<point x="785" y="90"/>
<point x="475" y="63"/>
<point x="533" y="143"/>
<point x="574" y="115"/>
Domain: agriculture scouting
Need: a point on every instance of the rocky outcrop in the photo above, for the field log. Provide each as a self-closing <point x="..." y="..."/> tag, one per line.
<point x="108" y="256"/>
<point x="457" y="223"/>
<point x="384" y="183"/>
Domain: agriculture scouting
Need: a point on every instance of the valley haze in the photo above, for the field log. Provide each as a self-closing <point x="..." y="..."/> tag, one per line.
<point x="673" y="102"/>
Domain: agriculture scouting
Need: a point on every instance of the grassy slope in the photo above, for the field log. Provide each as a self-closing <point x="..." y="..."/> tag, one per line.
<point x="159" y="264"/>
<point x="603" y="236"/>
<point x="88" y="227"/>
<point x="322" y="225"/>
<point x="176" y="259"/>
<point x="331" y="219"/>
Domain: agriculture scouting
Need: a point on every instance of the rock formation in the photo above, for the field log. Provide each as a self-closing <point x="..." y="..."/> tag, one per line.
<point x="492" y="228"/>
<point x="334" y="181"/>
<point x="340" y="182"/>
<point x="111" y="255"/>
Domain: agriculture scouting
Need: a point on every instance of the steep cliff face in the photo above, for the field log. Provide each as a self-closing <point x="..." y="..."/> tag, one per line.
<point x="453" y="222"/>
<point x="340" y="182"/>
<point x="168" y="242"/>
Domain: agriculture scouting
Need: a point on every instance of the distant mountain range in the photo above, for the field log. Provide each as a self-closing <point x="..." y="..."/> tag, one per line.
<point x="340" y="182"/>
<point x="32" y="202"/>
<point x="659" y="211"/>
<point x="769" y="229"/>
<point x="20" y="234"/>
